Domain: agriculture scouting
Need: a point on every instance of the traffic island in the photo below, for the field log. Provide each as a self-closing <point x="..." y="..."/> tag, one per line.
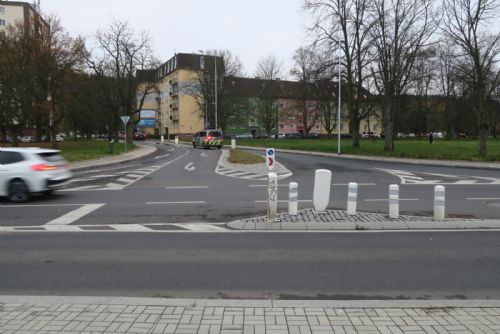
<point x="308" y="219"/>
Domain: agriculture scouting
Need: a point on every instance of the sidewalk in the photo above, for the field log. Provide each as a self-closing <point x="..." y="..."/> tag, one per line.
<point x="43" y="315"/>
<point x="139" y="152"/>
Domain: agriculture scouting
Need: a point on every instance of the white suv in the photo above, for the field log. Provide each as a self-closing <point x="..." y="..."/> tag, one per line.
<point x="25" y="171"/>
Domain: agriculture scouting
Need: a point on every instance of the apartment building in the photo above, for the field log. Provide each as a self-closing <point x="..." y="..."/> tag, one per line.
<point x="174" y="101"/>
<point x="15" y="12"/>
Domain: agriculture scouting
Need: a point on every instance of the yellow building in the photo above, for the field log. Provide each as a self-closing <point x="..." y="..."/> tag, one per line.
<point x="15" y="12"/>
<point x="177" y="109"/>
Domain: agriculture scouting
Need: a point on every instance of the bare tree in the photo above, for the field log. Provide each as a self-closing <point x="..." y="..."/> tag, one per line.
<point x="305" y="70"/>
<point x="353" y="20"/>
<point x="269" y="68"/>
<point x="464" y="24"/>
<point x="121" y="53"/>
<point x="401" y="29"/>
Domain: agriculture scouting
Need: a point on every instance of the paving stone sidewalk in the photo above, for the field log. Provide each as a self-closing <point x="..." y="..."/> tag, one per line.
<point x="307" y="219"/>
<point x="44" y="315"/>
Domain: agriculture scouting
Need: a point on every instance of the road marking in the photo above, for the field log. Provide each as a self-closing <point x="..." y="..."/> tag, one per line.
<point x="285" y="201"/>
<point x="122" y="179"/>
<point x="189" y="167"/>
<point x="130" y="228"/>
<point x="75" y="214"/>
<point x="163" y="156"/>
<point x="265" y="185"/>
<point x="483" y="199"/>
<point x="38" y="205"/>
<point x="359" y="184"/>
<point x="134" y="175"/>
<point x="188" y="187"/>
<point x="201" y="227"/>
<point x="386" y="199"/>
<point x="62" y="228"/>
<point x="185" y="202"/>
<point x="107" y="169"/>
<point x="203" y="155"/>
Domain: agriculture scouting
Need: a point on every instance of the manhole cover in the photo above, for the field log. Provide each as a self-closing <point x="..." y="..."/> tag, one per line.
<point x="493" y="204"/>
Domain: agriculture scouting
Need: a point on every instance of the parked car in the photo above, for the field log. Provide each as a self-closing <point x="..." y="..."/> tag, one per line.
<point x="438" y="135"/>
<point x="294" y="135"/>
<point x="208" y="138"/>
<point x="27" y="171"/>
<point x="27" y="139"/>
<point x="139" y="136"/>
<point x="313" y="136"/>
<point x="245" y="136"/>
<point x="369" y="134"/>
<point x="280" y="136"/>
<point x="59" y="138"/>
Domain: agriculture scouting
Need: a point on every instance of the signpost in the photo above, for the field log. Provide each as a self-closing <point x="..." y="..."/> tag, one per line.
<point x="125" y="120"/>
<point x="270" y="159"/>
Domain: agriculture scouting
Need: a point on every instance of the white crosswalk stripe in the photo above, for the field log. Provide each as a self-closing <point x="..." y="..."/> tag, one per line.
<point x="422" y="178"/>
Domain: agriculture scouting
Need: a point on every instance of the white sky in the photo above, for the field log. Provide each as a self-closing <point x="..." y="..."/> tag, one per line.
<point x="250" y="29"/>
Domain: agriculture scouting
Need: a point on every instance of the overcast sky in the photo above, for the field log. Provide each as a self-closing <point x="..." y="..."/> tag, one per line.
<point x="250" y="29"/>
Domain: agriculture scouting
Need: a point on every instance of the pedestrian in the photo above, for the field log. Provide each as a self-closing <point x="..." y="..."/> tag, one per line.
<point x="431" y="138"/>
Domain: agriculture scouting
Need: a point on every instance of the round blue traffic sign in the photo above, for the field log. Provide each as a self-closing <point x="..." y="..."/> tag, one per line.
<point x="270" y="152"/>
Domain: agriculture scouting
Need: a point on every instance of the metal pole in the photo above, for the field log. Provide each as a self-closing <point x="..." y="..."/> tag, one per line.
<point x="340" y="102"/>
<point x="216" y="90"/>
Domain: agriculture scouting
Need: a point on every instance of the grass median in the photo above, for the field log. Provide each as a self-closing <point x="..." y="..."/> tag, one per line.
<point x="84" y="150"/>
<point x="460" y="149"/>
<point x="243" y="157"/>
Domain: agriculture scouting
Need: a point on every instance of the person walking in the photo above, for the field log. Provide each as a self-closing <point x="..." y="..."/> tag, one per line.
<point x="431" y="138"/>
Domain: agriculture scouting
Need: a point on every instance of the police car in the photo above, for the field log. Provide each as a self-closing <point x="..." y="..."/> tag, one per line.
<point x="208" y="138"/>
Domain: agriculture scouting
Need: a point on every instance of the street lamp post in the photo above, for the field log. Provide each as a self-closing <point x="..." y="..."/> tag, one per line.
<point x="215" y="60"/>
<point x="340" y="99"/>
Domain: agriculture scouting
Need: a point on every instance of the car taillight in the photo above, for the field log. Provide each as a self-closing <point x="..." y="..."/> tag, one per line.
<point x="42" y="167"/>
<point x="209" y="138"/>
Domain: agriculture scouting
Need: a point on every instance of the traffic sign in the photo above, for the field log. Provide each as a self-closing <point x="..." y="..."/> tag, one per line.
<point x="270" y="159"/>
<point x="125" y="119"/>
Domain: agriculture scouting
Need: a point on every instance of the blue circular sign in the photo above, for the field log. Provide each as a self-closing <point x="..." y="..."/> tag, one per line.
<point x="270" y="152"/>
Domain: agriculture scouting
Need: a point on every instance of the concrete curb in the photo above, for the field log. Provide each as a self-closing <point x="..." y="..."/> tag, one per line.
<point x="51" y="300"/>
<point x="439" y="163"/>
<point x="140" y="152"/>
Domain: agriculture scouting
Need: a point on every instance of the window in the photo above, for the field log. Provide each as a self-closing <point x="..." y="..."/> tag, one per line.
<point x="281" y="105"/>
<point x="375" y="127"/>
<point x="242" y="126"/>
<point x="292" y="126"/>
<point x="2" y="10"/>
<point x="282" y="127"/>
<point x="2" y="23"/>
<point x="366" y="127"/>
<point x="317" y="127"/>
<point x="7" y="158"/>
<point x="292" y="117"/>
<point x="341" y="126"/>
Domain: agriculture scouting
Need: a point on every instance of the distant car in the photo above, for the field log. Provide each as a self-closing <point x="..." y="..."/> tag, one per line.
<point x="280" y="136"/>
<point x="369" y="134"/>
<point x="208" y="138"/>
<point x="313" y="136"/>
<point x="245" y="136"/>
<point x="59" y="138"/>
<point x="294" y="135"/>
<point x="438" y="135"/>
<point x="27" y="139"/>
<point x="26" y="171"/>
<point x="139" y="136"/>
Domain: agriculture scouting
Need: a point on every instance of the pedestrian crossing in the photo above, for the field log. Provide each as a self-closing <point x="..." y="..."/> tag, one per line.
<point x="422" y="178"/>
<point x="248" y="175"/>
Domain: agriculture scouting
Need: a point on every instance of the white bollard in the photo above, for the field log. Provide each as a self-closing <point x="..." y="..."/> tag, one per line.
<point x="293" y="195"/>
<point x="352" y="198"/>
<point x="162" y="139"/>
<point x="394" y="201"/>
<point x="176" y="140"/>
<point x="272" y="192"/>
<point x="321" y="194"/>
<point x="439" y="203"/>
<point x="233" y="144"/>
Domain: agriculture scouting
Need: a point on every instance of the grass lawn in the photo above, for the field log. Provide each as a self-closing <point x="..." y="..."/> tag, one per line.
<point x="82" y="150"/>
<point x="243" y="157"/>
<point x="460" y="149"/>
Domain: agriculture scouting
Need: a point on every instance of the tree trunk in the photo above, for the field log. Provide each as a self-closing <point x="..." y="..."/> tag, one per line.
<point x="389" y="127"/>
<point x="355" y="132"/>
<point x="483" y="136"/>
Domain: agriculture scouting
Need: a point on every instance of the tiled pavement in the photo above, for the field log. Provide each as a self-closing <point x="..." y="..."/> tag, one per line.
<point x="46" y="315"/>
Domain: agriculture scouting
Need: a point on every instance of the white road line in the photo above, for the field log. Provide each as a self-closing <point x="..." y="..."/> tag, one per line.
<point x="189" y="167"/>
<point x="62" y="228"/>
<point x="113" y="186"/>
<point x="75" y="214"/>
<point x="167" y="203"/>
<point x="385" y="199"/>
<point x="123" y="179"/>
<point x="130" y="228"/>
<point x="188" y="187"/>
<point x="285" y="201"/>
<point x="203" y="227"/>
<point x="483" y="199"/>
<point x="359" y="184"/>
<point x="38" y="205"/>
<point x="107" y="169"/>
<point x="134" y="175"/>
<point x="265" y="185"/>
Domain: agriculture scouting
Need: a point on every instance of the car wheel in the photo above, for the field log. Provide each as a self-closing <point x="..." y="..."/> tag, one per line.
<point x="194" y="145"/>
<point x="18" y="192"/>
<point x="219" y="147"/>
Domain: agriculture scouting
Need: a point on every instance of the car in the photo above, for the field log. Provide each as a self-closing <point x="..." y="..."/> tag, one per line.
<point x="369" y="134"/>
<point x="28" y="171"/>
<point x="245" y="136"/>
<point x="27" y="139"/>
<point x="280" y="136"/>
<point x="139" y="136"/>
<point x="59" y="138"/>
<point x="294" y="135"/>
<point x="313" y="135"/>
<point x="208" y="138"/>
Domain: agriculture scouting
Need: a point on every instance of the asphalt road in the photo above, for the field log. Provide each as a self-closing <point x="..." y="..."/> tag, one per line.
<point x="179" y="185"/>
<point x="356" y="265"/>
